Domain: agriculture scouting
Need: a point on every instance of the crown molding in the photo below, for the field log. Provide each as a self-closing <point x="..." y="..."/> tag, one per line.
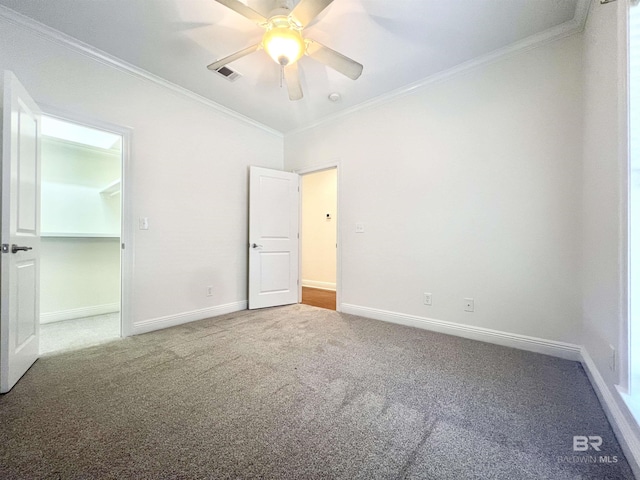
<point x="566" y="29"/>
<point x="55" y="36"/>
<point x="582" y="12"/>
<point x="575" y="25"/>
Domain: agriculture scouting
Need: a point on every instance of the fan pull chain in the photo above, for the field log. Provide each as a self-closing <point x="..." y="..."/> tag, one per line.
<point x="281" y="75"/>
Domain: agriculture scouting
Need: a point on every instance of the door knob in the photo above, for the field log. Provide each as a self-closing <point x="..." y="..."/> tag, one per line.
<point x="15" y="248"/>
<point x="255" y="245"/>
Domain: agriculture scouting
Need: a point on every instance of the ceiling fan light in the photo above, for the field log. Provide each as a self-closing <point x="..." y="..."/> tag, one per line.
<point x="284" y="44"/>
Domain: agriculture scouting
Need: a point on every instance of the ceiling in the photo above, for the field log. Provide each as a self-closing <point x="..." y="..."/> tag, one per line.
<point x="399" y="43"/>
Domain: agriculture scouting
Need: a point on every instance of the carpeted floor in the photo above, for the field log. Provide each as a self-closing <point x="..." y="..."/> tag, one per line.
<point x="79" y="332"/>
<point x="299" y="392"/>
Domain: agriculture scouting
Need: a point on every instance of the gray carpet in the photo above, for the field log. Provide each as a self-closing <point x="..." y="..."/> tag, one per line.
<point x="298" y="392"/>
<point x="79" y="332"/>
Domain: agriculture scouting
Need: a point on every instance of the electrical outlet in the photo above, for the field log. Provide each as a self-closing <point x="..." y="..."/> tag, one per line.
<point x="468" y="305"/>
<point x="210" y="291"/>
<point x="612" y="358"/>
<point x="427" y="299"/>
<point x="359" y="227"/>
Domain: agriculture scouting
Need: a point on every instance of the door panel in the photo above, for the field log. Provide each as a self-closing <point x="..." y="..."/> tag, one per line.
<point x="27" y="171"/>
<point x="274" y="222"/>
<point x="275" y="270"/>
<point x="273" y="238"/>
<point x="20" y="268"/>
<point x="26" y="305"/>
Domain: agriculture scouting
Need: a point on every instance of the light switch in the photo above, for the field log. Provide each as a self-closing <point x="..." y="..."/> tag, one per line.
<point x="359" y="227"/>
<point x="143" y="223"/>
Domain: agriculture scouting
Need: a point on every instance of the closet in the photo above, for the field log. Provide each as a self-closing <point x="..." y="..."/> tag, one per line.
<point x="80" y="230"/>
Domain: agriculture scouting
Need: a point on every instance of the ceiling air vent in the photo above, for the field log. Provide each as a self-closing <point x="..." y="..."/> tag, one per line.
<point x="227" y="73"/>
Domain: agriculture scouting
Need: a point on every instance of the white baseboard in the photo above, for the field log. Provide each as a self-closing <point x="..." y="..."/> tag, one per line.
<point x="172" y="320"/>
<point x="320" y="285"/>
<point x="567" y="351"/>
<point x="51" y="317"/>
<point x="626" y="433"/>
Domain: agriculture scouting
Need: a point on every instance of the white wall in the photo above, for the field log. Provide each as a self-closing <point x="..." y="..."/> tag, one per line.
<point x="467" y="188"/>
<point x="319" y="198"/>
<point x="72" y="178"/>
<point x="604" y="201"/>
<point x="79" y="277"/>
<point x="189" y="172"/>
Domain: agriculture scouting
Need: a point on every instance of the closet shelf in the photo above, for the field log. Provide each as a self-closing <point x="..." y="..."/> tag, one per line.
<point x="111" y="189"/>
<point x="79" y="235"/>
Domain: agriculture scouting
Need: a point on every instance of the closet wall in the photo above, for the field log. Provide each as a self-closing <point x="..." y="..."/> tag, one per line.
<point x="80" y="224"/>
<point x="319" y="199"/>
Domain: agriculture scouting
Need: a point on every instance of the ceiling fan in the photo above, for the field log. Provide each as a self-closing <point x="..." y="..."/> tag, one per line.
<point x="284" y="43"/>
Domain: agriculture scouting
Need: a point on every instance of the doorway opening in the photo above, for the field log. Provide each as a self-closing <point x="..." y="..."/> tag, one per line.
<point x="318" y="239"/>
<point x="81" y="230"/>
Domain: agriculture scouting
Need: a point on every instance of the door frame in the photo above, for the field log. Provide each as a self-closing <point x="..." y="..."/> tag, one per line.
<point x="126" y="230"/>
<point x="307" y="171"/>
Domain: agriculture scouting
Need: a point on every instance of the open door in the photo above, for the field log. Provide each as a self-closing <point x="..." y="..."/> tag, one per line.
<point x="273" y="237"/>
<point x="20" y="266"/>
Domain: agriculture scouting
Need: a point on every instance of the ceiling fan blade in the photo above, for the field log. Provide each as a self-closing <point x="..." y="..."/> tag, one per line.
<point x="335" y="60"/>
<point x="292" y="78"/>
<point x="243" y="10"/>
<point x="307" y="10"/>
<point x="223" y="61"/>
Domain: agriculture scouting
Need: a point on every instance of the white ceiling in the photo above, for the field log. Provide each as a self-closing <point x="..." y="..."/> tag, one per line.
<point x="398" y="42"/>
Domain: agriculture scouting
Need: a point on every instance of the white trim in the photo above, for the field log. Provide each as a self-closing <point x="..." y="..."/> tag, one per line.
<point x="70" y="314"/>
<point x="317" y="168"/>
<point x="127" y="244"/>
<point x="564" y="350"/>
<point x="623" y="354"/>
<point x="622" y="427"/>
<point x="319" y="285"/>
<point x="94" y="53"/>
<point x="180" y="318"/>
<point x="78" y="235"/>
<point x="566" y="29"/>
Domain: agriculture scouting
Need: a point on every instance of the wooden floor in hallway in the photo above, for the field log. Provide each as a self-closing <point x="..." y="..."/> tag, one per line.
<point x="319" y="298"/>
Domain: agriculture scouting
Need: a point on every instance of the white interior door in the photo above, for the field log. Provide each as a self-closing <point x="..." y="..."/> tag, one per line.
<point x="273" y="237"/>
<point x="20" y="265"/>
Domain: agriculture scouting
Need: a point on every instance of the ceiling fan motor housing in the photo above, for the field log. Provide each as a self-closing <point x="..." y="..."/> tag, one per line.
<point x="283" y="40"/>
<point x="284" y="43"/>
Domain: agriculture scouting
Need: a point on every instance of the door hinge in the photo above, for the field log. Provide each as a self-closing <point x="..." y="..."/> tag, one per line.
<point x="5" y="248"/>
<point x="123" y="246"/>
